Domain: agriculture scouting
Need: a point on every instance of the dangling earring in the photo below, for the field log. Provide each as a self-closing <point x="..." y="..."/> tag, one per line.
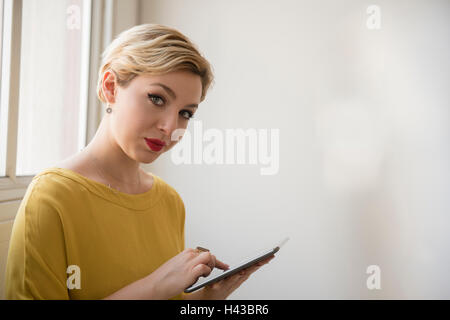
<point x="108" y="110"/>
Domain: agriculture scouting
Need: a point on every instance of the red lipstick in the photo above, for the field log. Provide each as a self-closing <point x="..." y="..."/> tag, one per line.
<point x="155" y="144"/>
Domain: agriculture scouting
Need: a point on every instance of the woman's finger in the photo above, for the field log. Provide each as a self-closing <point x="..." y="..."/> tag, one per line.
<point x="203" y="258"/>
<point x="201" y="270"/>
<point x="239" y="281"/>
<point x="221" y="265"/>
<point x="212" y="262"/>
<point x="250" y="270"/>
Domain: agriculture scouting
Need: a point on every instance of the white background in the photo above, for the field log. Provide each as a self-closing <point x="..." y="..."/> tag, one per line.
<point x="364" y="143"/>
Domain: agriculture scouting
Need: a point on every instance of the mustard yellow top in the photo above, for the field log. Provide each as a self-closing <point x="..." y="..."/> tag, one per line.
<point x="75" y="238"/>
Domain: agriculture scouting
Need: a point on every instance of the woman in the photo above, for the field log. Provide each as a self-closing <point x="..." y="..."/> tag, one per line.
<point x="96" y="225"/>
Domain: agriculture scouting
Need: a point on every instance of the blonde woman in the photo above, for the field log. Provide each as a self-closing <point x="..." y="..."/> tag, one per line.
<point x="96" y="226"/>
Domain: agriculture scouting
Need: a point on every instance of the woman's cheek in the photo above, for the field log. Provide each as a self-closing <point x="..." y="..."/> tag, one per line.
<point x="170" y="145"/>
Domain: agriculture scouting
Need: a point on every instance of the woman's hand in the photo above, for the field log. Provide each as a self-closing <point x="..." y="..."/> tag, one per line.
<point x="181" y="271"/>
<point x="223" y="288"/>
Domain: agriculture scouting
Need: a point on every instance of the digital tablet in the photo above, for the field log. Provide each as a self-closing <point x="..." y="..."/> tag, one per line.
<point x="247" y="263"/>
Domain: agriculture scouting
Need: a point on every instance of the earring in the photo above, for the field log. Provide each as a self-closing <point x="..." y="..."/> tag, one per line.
<point x="108" y="110"/>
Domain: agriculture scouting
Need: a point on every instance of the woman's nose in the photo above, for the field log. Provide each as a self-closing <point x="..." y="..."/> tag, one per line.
<point x="168" y="123"/>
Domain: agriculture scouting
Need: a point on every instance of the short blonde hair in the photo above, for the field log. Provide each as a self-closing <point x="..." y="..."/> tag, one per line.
<point x="152" y="49"/>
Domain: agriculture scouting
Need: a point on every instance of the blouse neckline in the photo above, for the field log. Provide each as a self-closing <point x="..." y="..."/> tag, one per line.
<point x="140" y="201"/>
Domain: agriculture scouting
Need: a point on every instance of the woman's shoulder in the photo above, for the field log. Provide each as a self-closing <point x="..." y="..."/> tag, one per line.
<point x="78" y="165"/>
<point x="51" y="182"/>
<point x="169" y="193"/>
<point x="46" y="196"/>
<point x="165" y="186"/>
<point x="59" y="180"/>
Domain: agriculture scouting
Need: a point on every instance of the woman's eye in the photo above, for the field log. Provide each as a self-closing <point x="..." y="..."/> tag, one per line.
<point x="156" y="99"/>
<point x="187" y="114"/>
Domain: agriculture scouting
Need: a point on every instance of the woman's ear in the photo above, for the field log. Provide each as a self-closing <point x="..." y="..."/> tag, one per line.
<point x="109" y="86"/>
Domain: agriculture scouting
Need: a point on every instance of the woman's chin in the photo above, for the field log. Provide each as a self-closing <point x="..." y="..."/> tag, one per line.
<point x="149" y="157"/>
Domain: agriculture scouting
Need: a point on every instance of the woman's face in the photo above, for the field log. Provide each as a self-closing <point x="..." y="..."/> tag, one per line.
<point x="153" y="107"/>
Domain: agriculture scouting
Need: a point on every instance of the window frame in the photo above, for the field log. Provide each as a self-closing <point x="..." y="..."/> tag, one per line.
<point x="12" y="187"/>
<point x="101" y="22"/>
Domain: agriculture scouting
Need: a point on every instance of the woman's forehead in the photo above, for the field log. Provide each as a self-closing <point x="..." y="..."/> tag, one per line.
<point x="179" y="83"/>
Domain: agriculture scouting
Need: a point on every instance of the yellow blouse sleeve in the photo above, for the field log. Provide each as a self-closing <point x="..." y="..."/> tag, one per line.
<point x="36" y="264"/>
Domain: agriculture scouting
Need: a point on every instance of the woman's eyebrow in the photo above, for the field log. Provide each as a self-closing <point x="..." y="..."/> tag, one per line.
<point x="172" y="93"/>
<point x="168" y="90"/>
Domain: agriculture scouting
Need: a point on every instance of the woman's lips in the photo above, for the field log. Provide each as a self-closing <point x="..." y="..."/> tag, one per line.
<point x="155" y="144"/>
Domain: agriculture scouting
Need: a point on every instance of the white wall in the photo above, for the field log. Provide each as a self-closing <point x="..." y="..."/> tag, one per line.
<point x="364" y="158"/>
